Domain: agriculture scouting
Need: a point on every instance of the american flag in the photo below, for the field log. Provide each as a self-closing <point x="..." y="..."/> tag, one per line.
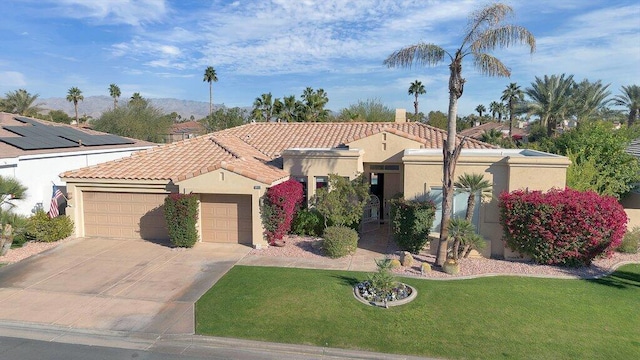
<point x="53" y="208"/>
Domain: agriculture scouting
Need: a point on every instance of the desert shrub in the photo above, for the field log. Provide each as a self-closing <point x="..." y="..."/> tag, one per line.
<point x="563" y="227"/>
<point x="307" y="222"/>
<point x="340" y="241"/>
<point x="279" y="205"/>
<point x="383" y="280"/>
<point x="394" y="264"/>
<point x="19" y="225"/>
<point x="630" y="242"/>
<point x="412" y="221"/>
<point x="181" y="214"/>
<point x="40" y="227"/>
<point x="343" y="201"/>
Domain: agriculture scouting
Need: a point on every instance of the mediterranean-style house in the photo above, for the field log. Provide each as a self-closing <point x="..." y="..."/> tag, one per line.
<point x="36" y="151"/>
<point x="230" y="170"/>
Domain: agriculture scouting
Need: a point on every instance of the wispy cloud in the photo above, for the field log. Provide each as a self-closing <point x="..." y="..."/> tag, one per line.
<point x="12" y="78"/>
<point x="130" y="12"/>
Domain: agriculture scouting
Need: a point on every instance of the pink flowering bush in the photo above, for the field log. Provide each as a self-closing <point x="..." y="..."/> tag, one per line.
<point x="279" y="206"/>
<point x="562" y="227"/>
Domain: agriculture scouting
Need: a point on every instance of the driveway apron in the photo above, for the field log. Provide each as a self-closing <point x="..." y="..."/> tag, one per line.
<point x="114" y="284"/>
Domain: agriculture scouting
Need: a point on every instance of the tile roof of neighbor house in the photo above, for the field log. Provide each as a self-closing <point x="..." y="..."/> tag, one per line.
<point x="634" y="148"/>
<point x="10" y="151"/>
<point x="251" y="150"/>
<point x="477" y="131"/>
<point x="193" y="127"/>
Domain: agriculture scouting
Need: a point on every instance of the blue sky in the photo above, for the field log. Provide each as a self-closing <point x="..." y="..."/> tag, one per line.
<point x="161" y="48"/>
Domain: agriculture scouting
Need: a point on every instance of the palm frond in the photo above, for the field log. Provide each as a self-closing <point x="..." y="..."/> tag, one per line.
<point x="484" y="18"/>
<point x="420" y="54"/>
<point x="490" y="65"/>
<point x="502" y="37"/>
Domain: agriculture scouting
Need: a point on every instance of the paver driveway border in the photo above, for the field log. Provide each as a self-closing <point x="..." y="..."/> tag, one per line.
<point x="114" y="284"/>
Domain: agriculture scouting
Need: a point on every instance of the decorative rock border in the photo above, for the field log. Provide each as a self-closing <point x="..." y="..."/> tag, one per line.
<point x="386" y="304"/>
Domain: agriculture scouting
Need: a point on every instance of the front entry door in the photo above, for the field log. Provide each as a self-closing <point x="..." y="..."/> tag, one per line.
<point x="376" y="180"/>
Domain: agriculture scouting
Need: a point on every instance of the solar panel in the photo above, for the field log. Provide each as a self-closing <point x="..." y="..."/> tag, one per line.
<point x="38" y="142"/>
<point x="40" y="136"/>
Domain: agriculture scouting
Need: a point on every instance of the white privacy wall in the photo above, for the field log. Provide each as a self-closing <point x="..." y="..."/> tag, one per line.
<point x="39" y="172"/>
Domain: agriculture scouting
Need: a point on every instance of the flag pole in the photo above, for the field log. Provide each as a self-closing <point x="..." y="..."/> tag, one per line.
<point x="54" y="184"/>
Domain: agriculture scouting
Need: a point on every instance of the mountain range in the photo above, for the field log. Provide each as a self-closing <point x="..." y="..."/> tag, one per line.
<point x="94" y="106"/>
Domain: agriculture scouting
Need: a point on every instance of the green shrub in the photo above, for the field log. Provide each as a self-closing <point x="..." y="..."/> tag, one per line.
<point x="340" y="241"/>
<point x="181" y="214"/>
<point x="41" y="227"/>
<point x="19" y="224"/>
<point x="630" y="242"/>
<point x="342" y="201"/>
<point x="308" y="222"/>
<point x="412" y="221"/>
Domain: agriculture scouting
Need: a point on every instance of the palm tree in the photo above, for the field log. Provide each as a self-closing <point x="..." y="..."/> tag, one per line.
<point x="512" y="95"/>
<point x="210" y="77"/>
<point x="136" y="99"/>
<point x="480" y="109"/>
<point x="263" y="108"/>
<point x="491" y="136"/>
<point x="494" y="107"/>
<point x="74" y="95"/>
<point x="459" y="230"/>
<point x="473" y="184"/>
<point x="416" y="88"/>
<point x="289" y="110"/>
<point x="10" y="189"/>
<point x="550" y="99"/>
<point x="114" y="91"/>
<point x="21" y="102"/>
<point x="486" y="32"/>
<point x="314" y="103"/>
<point x="589" y="98"/>
<point x="502" y="109"/>
<point x="630" y="99"/>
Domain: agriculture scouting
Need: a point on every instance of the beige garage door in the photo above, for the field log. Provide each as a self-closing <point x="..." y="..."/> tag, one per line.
<point x="124" y="215"/>
<point x="226" y="218"/>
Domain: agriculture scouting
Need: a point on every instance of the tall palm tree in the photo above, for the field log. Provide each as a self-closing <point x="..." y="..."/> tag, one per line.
<point x="473" y="184"/>
<point x="74" y="95"/>
<point x="289" y="109"/>
<point x="416" y="88"/>
<point x="314" y="103"/>
<point x="480" y="109"/>
<point x="114" y="91"/>
<point x="512" y="95"/>
<point x="550" y="99"/>
<point x="21" y="102"/>
<point x="487" y="31"/>
<point x="630" y="99"/>
<point x="136" y="99"/>
<point x="494" y="107"/>
<point x="210" y="76"/>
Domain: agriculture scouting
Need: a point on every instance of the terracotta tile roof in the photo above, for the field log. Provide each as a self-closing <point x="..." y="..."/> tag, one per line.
<point x="251" y="150"/>
<point x="188" y="127"/>
<point x="477" y="131"/>
<point x="10" y="151"/>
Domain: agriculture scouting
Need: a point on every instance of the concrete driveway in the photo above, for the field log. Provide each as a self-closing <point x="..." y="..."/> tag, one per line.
<point x="114" y="284"/>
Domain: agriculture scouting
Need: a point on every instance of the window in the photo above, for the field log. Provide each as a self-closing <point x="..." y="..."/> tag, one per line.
<point x="303" y="180"/>
<point x="384" y="168"/>
<point x="321" y="182"/>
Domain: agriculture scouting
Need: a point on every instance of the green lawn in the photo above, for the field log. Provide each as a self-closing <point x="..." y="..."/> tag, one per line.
<point x="486" y="318"/>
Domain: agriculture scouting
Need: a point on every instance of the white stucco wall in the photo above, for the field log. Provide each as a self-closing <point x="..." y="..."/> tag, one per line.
<point x="39" y="172"/>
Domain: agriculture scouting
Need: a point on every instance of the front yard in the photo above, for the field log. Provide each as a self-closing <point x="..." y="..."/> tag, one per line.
<point x="493" y="317"/>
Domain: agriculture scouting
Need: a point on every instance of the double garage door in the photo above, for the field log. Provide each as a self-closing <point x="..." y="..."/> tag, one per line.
<point x="225" y="218"/>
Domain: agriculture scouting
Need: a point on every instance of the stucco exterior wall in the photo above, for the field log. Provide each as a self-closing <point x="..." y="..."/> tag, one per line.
<point x="384" y="147"/>
<point x="507" y="171"/>
<point x="39" y="172"/>
<point x="631" y="204"/>
<point x="322" y="162"/>
<point x="226" y="182"/>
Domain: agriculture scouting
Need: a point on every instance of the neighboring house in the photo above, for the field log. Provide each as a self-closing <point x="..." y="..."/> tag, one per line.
<point x="230" y="170"/>
<point x="185" y="130"/>
<point x="35" y="152"/>
<point x="631" y="201"/>
<point x="477" y="131"/>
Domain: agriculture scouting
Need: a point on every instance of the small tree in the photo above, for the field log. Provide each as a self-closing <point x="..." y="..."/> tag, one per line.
<point x="473" y="184"/>
<point x="343" y="201"/>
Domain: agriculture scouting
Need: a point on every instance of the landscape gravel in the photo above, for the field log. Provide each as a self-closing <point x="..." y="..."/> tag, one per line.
<point x="309" y="247"/>
<point x="29" y="249"/>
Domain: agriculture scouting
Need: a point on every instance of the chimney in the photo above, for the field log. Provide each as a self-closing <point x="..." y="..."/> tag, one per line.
<point x="401" y="115"/>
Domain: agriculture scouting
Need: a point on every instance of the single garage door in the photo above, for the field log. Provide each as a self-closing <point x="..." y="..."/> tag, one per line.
<point x="226" y="218"/>
<point x="124" y="215"/>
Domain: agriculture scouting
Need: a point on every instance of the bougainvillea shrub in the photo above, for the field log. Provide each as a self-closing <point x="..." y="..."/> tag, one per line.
<point x="279" y="205"/>
<point x="562" y="227"/>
